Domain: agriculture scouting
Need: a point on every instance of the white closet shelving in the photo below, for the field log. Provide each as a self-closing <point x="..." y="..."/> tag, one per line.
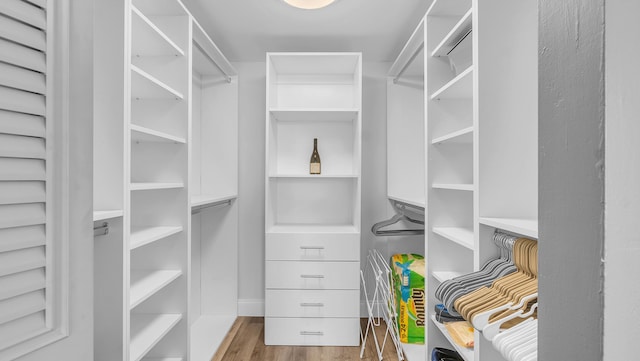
<point x="313" y="221"/>
<point x="480" y="125"/>
<point x="163" y="286"/>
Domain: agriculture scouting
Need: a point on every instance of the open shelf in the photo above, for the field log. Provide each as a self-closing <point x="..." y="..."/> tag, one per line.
<point x="454" y="36"/>
<point x="449" y="7"/>
<point x="412" y="202"/>
<point x="314" y="114"/>
<point x="414" y="352"/>
<point x="453" y="186"/>
<point x="142" y="134"/>
<point x="207" y="333"/>
<point x="459" y="136"/>
<point x="460" y="87"/>
<point x="145" y="284"/>
<point x="141" y="236"/>
<point x="313" y="176"/>
<point x="205" y="200"/>
<point x="147" y="330"/>
<point x="466" y="353"/>
<point x="459" y="235"/>
<point x="442" y="276"/>
<point x="163" y="359"/>
<point x="155" y="185"/>
<point x="525" y="227"/>
<point x="104" y="215"/>
<point x="312" y="228"/>
<point x="148" y="39"/>
<point x="146" y="86"/>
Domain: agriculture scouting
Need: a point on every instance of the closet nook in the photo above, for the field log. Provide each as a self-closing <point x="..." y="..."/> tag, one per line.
<point x="165" y="182"/>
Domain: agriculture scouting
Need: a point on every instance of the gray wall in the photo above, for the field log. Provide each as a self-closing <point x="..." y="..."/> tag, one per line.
<point x="571" y="179"/>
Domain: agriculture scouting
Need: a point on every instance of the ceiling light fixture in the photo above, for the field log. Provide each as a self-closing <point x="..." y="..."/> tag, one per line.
<point x="309" y="4"/>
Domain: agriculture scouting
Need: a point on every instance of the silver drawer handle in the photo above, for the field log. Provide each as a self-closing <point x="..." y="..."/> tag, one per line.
<point x="312" y="304"/>
<point x="319" y="248"/>
<point x="311" y="333"/>
<point x="312" y="276"/>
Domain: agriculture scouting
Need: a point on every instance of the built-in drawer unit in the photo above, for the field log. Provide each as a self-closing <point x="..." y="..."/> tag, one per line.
<point x="312" y="303"/>
<point x="307" y="275"/>
<point x="312" y="331"/>
<point x="312" y="247"/>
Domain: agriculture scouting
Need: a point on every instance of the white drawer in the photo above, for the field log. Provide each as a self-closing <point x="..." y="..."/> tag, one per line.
<point x="312" y="303"/>
<point x="312" y="331"/>
<point x="312" y="275"/>
<point x="321" y="247"/>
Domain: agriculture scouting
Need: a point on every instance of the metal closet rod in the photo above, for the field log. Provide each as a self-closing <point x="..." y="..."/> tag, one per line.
<point x="227" y="77"/>
<point x="215" y="204"/>
<point x="406" y="65"/>
<point x="101" y="230"/>
<point x="406" y="207"/>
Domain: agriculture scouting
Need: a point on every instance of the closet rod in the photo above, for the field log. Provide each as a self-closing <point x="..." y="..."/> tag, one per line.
<point x="211" y="205"/>
<point x="226" y="76"/>
<point x="411" y="59"/>
<point x="406" y="207"/>
<point x="101" y="230"/>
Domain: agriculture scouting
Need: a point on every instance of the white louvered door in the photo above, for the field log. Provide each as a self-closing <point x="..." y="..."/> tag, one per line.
<point x="26" y="280"/>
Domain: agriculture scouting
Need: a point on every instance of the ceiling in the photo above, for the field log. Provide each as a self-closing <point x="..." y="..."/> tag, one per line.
<point x="246" y="29"/>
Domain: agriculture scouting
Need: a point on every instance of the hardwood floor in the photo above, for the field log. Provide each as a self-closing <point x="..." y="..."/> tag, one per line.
<point x="245" y="342"/>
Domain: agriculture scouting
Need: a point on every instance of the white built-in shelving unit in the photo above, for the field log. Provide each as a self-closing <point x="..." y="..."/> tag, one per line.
<point x="313" y="221"/>
<point x="163" y="86"/>
<point x="480" y="138"/>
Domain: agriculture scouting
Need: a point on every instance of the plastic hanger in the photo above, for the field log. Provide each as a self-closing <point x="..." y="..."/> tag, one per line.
<point x="376" y="228"/>
<point x="492" y="329"/>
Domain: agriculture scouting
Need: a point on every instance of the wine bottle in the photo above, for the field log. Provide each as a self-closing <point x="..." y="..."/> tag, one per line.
<point x="314" y="164"/>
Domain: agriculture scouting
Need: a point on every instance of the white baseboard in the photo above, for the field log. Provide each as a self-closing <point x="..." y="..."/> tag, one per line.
<point x="251" y="307"/>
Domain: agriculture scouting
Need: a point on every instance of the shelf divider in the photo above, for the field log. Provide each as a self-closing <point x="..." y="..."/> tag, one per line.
<point x="141" y="236"/>
<point x="147" y="330"/>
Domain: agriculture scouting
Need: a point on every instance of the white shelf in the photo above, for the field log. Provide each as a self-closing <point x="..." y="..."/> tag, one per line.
<point x="163" y="359"/>
<point x="459" y="136"/>
<point x="453" y="37"/>
<point x="414" y="352"/>
<point x="313" y="176"/>
<point x="207" y="334"/>
<point x="155" y="185"/>
<point x="142" y="236"/>
<point x="312" y="228"/>
<point x="442" y="276"/>
<point x="460" y="87"/>
<point x="525" y="227"/>
<point x="466" y="353"/>
<point x="145" y="284"/>
<point x="148" y="39"/>
<point x="453" y="186"/>
<point x="145" y="86"/>
<point x="104" y="215"/>
<point x="314" y="114"/>
<point x="448" y="7"/>
<point x="416" y="203"/>
<point x="204" y="199"/>
<point x="147" y="330"/>
<point x="459" y="235"/>
<point x="142" y="134"/>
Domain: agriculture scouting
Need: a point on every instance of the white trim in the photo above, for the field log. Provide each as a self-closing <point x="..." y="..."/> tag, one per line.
<point x="251" y="307"/>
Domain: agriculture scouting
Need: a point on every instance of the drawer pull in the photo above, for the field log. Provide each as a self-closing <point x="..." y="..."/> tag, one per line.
<point x="312" y="276"/>
<point x="311" y="333"/>
<point x="312" y="304"/>
<point x="319" y="248"/>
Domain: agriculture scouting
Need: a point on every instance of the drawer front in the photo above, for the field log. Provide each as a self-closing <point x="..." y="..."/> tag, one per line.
<point x="320" y="247"/>
<point x="312" y="303"/>
<point x="312" y="275"/>
<point x="312" y="331"/>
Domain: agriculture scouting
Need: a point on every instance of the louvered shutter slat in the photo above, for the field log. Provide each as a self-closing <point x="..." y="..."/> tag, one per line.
<point x="15" y="238"/>
<point x="24" y="12"/>
<point x="19" y="215"/>
<point x="22" y="169"/>
<point x="22" y="192"/>
<point x="21" y="283"/>
<point x="24" y="305"/>
<point x="21" y="56"/>
<point x="18" y="146"/>
<point x="21" y="329"/>
<point x="22" y="33"/>
<point x="23" y="79"/>
<point x="22" y="124"/>
<point x="22" y="260"/>
<point x="21" y="101"/>
<point x="40" y="3"/>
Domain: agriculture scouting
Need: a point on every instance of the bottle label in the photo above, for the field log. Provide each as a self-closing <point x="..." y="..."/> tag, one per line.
<point x="314" y="168"/>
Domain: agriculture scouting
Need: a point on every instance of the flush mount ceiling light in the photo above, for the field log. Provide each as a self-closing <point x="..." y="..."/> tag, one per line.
<point x="309" y="4"/>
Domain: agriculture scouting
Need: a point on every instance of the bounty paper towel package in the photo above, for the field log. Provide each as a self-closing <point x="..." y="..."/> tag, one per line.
<point x="408" y="280"/>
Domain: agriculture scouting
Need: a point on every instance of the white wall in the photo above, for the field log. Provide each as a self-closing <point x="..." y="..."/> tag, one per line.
<point x="622" y="180"/>
<point x="251" y="163"/>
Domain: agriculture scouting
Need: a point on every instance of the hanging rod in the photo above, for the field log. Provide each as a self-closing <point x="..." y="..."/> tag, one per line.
<point x="406" y="207"/>
<point x="101" y="230"/>
<point x="411" y="59"/>
<point x="226" y="76"/>
<point x="220" y="204"/>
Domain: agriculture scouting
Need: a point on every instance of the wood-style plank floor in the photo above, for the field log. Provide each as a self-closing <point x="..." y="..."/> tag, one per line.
<point x="245" y="342"/>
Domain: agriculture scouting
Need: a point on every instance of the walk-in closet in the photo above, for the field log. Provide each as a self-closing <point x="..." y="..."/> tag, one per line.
<point x="292" y="180"/>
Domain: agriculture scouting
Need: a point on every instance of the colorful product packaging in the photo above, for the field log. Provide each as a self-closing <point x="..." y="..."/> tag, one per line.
<point x="411" y="301"/>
